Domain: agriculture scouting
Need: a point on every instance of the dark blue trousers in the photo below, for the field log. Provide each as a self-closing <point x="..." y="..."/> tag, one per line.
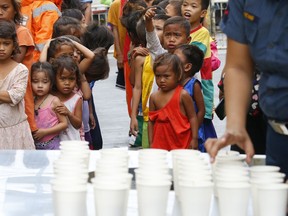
<point x="277" y="150"/>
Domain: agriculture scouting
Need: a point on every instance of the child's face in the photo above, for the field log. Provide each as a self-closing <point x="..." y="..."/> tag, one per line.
<point x="158" y="25"/>
<point x="6" y="48"/>
<point x="166" y="79"/>
<point x="67" y="50"/>
<point x="192" y="11"/>
<point x="187" y="66"/>
<point x="7" y="11"/>
<point x="65" y="82"/>
<point x="171" y="11"/>
<point x="173" y="36"/>
<point x="41" y="84"/>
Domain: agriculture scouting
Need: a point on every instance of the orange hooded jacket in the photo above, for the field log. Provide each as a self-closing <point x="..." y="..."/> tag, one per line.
<point x="41" y="15"/>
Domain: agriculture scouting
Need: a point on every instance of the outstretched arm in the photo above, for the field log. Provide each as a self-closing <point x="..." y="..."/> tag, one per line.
<point x="238" y="83"/>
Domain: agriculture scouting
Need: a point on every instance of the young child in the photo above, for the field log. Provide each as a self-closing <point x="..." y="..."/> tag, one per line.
<point x="144" y="78"/>
<point x="67" y="78"/>
<point x="172" y="118"/>
<point x="192" y="59"/>
<point x="14" y="128"/>
<point x="173" y="8"/>
<point x="25" y="56"/>
<point x="195" y="11"/>
<point x="176" y="31"/>
<point x="49" y="122"/>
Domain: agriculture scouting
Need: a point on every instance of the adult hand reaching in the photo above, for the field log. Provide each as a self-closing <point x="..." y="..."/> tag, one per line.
<point x="230" y="137"/>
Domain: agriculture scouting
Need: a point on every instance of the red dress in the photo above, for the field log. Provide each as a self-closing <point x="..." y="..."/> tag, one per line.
<point x="171" y="128"/>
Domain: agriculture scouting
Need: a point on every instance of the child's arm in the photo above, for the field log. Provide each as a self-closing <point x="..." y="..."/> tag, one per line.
<point x="85" y="87"/>
<point x="188" y="105"/>
<point x="43" y="54"/>
<point x="153" y="42"/>
<point x="199" y="100"/>
<point x="74" y="118"/>
<point x="136" y="96"/>
<point x="119" y="54"/>
<point x="91" y="116"/>
<point x="88" y="56"/>
<point x="151" y="123"/>
<point x="61" y="126"/>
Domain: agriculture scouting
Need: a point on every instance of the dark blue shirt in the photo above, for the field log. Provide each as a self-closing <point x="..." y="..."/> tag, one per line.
<point x="263" y="26"/>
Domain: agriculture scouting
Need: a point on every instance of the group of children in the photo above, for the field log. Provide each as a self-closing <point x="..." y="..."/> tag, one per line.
<point x="156" y="119"/>
<point x="60" y="81"/>
<point x="169" y="107"/>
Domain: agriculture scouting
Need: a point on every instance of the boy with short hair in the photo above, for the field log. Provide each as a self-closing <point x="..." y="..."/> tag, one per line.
<point x="176" y="31"/>
<point x="194" y="11"/>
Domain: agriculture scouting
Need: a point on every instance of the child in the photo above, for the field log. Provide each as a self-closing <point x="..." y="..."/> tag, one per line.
<point x="67" y="26"/>
<point x="49" y="122"/>
<point x="144" y="78"/>
<point x="173" y="8"/>
<point x="195" y="11"/>
<point x="14" y="128"/>
<point x="67" y="78"/>
<point x="25" y="56"/>
<point x="192" y="59"/>
<point x="176" y="31"/>
<point x="172" y="119"/>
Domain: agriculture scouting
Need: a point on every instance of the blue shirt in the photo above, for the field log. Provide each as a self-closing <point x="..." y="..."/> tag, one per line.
<point x="263" y="26"/>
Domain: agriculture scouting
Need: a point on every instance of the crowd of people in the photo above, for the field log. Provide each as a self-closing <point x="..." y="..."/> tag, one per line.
<point x="51" y="54"/>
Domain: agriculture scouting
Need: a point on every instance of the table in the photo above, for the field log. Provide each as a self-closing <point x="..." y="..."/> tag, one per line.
<point x="25" y="183"/>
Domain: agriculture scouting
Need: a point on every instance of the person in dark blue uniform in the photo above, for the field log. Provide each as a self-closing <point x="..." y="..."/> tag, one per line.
<point x="257" y="33"/>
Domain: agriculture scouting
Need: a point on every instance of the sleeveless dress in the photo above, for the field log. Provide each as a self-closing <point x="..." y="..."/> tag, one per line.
<point x="71" y="133"/>
<point x="15" y="132"/>
<point x="47" y="118"/>
<point x="172" y="129"/>
<point x="189" y="87"/>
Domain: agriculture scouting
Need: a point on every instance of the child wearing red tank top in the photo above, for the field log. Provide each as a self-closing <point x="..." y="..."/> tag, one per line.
<point x="172" y="117"/>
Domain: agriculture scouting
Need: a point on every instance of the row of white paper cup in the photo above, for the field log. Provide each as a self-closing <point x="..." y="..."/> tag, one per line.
<point x="69" y="185"/>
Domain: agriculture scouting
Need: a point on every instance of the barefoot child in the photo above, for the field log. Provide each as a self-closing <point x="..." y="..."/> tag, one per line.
<point x="172" y="118"/>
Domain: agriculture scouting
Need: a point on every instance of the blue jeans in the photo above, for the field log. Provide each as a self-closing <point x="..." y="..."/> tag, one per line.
<point x="277" y="150"/>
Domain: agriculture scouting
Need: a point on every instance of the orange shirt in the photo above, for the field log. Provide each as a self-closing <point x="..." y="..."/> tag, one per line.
<point x="172" y="129"/>
<point x="25" y="39"/>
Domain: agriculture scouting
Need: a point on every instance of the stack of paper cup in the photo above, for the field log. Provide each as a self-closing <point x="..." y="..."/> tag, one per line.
<point x="269" y="194"/>
<point x="69" y="185"/>
<point x="153" y="182"/>
<point x="232" y="187"/>
<point x="112" y="183"/>
<point x="192" y="182"/>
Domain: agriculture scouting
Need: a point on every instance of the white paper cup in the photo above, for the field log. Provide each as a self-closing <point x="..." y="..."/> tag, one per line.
<point x="152" y="197"/>
<point x="111" y="200"/>
<point x="153" y="152"/>
<point x="125" y="178"/>
<point x="255" y="183"/>
<point x="272" y="199"/>
<point x="69" y="200"/>
<point x="195" y="199"/>
<point x="265" y="168"/>
<point x="267" y="175"/>
<point x="233" y="198"/>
